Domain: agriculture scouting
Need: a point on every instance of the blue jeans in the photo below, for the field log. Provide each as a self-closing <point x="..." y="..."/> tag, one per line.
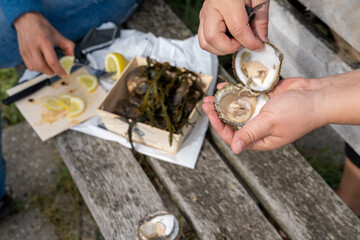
<point x="73" y="19"/>
<point x="2" y="169"/>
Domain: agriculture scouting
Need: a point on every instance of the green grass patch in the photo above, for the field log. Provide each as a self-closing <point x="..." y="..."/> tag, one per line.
<point x="10" y="114"/>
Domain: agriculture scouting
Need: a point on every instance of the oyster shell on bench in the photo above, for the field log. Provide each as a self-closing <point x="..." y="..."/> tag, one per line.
<point x="257" y="74"/>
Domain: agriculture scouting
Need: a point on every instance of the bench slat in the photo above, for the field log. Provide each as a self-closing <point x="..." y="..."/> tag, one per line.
<point x="341" y="16"/>
<point x="293" y="193"/>
<point x="112" y="183"/>
<point x="213" y="200"/>
<point x="307" y="56"/>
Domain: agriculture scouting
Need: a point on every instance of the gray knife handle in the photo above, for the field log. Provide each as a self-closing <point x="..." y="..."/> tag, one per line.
<point x="26" y="92"/>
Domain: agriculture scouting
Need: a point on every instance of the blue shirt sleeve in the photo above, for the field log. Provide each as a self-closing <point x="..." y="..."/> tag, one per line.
<point x="13" y="9"/>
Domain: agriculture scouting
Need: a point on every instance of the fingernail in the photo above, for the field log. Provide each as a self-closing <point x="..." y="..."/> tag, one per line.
<point x="238" y="146"/>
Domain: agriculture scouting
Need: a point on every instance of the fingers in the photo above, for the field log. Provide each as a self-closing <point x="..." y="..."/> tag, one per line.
<point x="39" y="64"/>
<point x="52" y="60"/>
<point x="214" y="30"/>
<point x="261" y="21"/>
<point x="221" y="85"/>
<point x="203" y="44"/>
<point x="253" y="132"/>
<point x="236" y="19"/>
<point x="223" y="130"/>
<point x="65" y="44"/>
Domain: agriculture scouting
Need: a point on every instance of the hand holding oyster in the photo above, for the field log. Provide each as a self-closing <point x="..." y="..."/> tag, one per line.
<point x="257" y="73"/>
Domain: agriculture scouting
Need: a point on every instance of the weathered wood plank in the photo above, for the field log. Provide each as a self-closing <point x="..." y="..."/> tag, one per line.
<point x="293" y="193"/>
<point x="213" y="200"/>
<point x="306" y="55"/>
<point x="341" y="16"/>
<point x="112" y="183"/>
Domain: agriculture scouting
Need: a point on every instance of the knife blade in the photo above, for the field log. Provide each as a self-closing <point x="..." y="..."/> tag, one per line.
<point x="34" y="88"/>
<point x="251" y="11"/>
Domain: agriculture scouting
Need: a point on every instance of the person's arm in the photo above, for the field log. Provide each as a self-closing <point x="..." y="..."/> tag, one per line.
<point x="296" y="107"/>
<point x="13" y="9"/>
<point x="216" y="15"/>
<point x="36" y="36"/>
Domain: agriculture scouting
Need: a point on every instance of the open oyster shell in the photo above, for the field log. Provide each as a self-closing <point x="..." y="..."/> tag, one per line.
<point x="259" y="70"/>
<point x="257" y="74"/>
<point x="236" y="105"/>
<point x="159" y="226"/>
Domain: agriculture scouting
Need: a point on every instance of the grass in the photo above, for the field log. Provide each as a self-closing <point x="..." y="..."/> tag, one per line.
<point x="64" y="207"/>
<point x="10" y="114"/>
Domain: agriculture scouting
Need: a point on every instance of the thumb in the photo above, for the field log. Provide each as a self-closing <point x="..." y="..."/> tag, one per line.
<point x="254" y="130"/>
<point x="67" y="45"/>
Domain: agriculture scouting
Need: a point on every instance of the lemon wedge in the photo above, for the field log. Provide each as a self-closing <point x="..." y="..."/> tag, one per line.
<point x="66" y="63"/>
<point x="77" y="106"/>
<point x="51" y="103"/>
<point x="88" y="81"/>
<point x="115" y="62"/>
<point x="65" y="101"/>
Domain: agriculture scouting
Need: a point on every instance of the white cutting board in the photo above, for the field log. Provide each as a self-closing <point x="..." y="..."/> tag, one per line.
<point x="48" y="123"/>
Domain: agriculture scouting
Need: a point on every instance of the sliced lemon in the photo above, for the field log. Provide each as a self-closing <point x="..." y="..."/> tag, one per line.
<point x="88" y="81"/>
<point x="52" y="103"/>
<point x="115" y="62"/>
<point x="66" y="63"/>
<point x="77" y="106"/>
<point x="65" y="101"/>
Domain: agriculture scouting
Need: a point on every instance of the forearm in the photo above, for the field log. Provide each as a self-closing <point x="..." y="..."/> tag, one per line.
<point x="13" y="9"/>
<point x="338" y="98"/>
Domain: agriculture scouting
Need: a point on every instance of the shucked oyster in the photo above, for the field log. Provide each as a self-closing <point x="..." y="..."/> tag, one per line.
<point x="159" y="226"/>
<point x="257" y="73"/>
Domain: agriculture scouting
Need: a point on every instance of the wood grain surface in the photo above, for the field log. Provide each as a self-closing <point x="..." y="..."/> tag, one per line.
<point x="341" y="16"/>
<point x="306" y="55"/>
<point x="213" y="200"/>
<point x="112" y="183"/>
<point x="293" y="193"/>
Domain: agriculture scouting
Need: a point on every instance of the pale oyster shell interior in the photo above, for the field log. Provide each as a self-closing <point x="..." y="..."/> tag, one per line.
<point x="269" y="58"/>
<point x="234" y="110"/>
<point x="160" y="225"/>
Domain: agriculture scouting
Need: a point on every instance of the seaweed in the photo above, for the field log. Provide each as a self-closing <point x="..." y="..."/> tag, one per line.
<point x="167" y="95"/>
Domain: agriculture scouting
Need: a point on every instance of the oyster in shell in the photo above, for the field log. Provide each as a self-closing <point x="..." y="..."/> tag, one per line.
<point x="160" y="225"/>
<point x="257" y="74"/>
<point x="260" y="71"/>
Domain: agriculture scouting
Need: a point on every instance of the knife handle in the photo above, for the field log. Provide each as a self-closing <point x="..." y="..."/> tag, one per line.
<point x="26" y="92"/>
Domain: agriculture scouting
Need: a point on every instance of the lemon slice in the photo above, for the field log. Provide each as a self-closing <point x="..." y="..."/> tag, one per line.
<point x="88" y="81"/>
<point x="66" y="63"/>
<point x="51" y="103"/>
<point x="77" y="106"/>
<point x="115" y="62"/>
<point x="65" y="101"/>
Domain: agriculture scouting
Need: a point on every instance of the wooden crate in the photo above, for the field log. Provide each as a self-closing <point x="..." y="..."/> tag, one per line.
<point x="144" y="133"/>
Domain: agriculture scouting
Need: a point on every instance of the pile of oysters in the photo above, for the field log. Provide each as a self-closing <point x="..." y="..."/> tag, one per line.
<point x="257" y="74"/>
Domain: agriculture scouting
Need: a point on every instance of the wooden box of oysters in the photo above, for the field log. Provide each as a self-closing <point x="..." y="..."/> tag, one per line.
<point x="154" y="103"/>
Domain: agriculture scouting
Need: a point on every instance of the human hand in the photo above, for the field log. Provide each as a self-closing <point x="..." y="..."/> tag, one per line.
<point x="37" y="37"/>
<point x="291" y="112"/>
<point x="216" y="15"/>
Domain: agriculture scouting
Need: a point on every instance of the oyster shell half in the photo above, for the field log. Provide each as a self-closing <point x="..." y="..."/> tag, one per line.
<point x="257" y="73"/>
<point x="260" y="71"/>
<point x="160" y="225"/>
<point x="236" y="105"/>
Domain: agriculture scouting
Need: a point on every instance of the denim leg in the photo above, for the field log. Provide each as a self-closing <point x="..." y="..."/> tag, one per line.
<point x="2" y="168"/>
<point x="9" y="50"/>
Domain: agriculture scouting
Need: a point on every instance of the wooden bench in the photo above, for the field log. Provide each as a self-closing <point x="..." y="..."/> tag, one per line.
<point x="227" y="196"/>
